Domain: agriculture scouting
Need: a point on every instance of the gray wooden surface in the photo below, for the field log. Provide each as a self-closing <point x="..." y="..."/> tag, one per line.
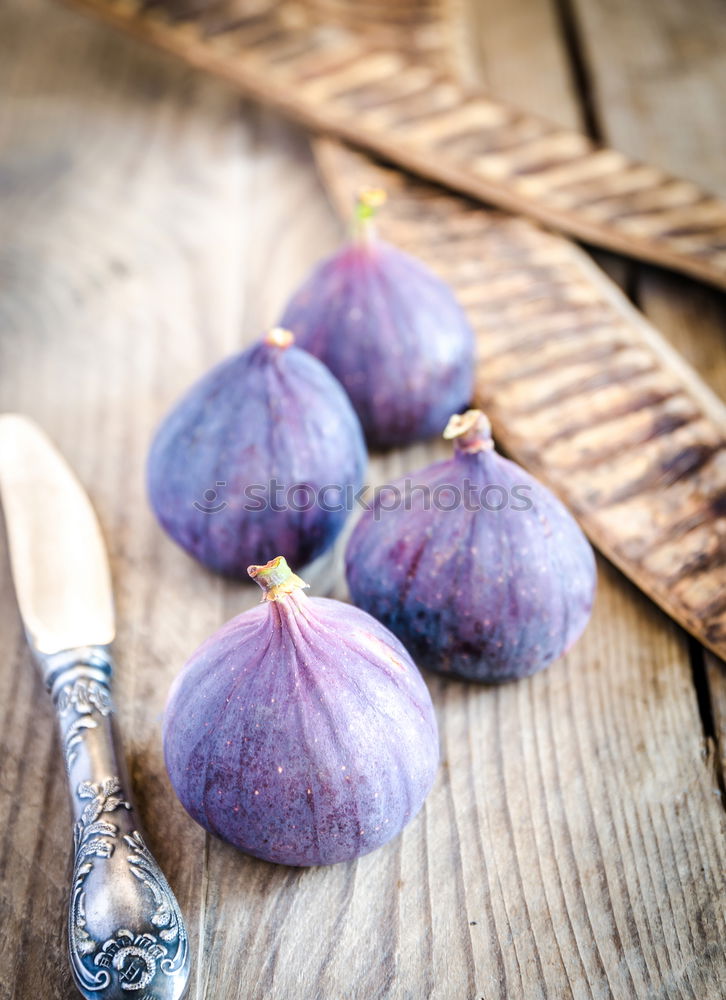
<point x="151" y="223"/>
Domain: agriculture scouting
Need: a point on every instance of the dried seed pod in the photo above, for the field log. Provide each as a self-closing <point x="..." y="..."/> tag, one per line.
<point x="262" y="453"/>
<point x="301" y="731"/>
<point x="390" y="330"/>
<point x="481" y="572"/>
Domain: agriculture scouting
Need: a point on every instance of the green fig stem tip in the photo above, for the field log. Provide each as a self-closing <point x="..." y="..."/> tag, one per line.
<point x="368" y="202"/>
<point x="276" y="579"/>
<point x="278" y="337"/>
<point x="471" y="432"/>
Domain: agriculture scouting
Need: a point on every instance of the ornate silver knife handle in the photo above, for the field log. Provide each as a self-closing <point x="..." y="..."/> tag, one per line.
<point x="126" y="934"/>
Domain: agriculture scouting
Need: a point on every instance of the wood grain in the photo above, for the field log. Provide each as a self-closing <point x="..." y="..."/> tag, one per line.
<point x="573" y="844"/>
<point x="618" y="62"/>
<point x="346" y="82"/>
<point x="645" y="74"/>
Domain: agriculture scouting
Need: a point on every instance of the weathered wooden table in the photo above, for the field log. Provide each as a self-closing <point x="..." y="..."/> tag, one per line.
<point x="150" y="223"/>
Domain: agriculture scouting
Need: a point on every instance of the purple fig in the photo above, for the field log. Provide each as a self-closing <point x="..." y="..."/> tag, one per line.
<point x="301" y="731"/>
<point x="478" y="569"/>
<point x="262" y="453"/>
<point x="391" y="331"/>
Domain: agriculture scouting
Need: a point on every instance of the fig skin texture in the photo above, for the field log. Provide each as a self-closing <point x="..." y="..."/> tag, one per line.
<point x="271" y="413"/>
<point x="483" y="594"/>
<point x="392" y="332"/>
<point x="301" y="732"/>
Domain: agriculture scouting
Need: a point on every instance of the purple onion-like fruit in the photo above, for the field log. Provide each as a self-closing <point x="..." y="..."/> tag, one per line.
<point x="263" y="453"/>
<point x="391" y="331"/>
<point x="301" y="731"/>
<point x="478" y="568"/>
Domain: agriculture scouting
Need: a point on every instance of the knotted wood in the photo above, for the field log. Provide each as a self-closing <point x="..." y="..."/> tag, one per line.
<point x="326" y="65"/>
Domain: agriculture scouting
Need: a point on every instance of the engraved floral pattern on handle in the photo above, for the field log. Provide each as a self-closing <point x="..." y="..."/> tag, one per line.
<point x="87" y="697"/>
<point x="133" y="958"/>
<point x="142" y="953"/>
<point x="93" y="837"/>
<point x="167" y="915"/>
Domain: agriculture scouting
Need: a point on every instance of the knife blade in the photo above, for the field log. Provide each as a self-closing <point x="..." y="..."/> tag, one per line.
<point x="125" y="929"/>
<point x="54" y="536"/>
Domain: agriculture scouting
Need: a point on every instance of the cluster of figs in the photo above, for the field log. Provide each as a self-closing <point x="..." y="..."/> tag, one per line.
<point x="302" y="731"/>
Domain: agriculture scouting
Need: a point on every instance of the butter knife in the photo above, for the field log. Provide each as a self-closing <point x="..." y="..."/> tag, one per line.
<point x="126" y="934"/>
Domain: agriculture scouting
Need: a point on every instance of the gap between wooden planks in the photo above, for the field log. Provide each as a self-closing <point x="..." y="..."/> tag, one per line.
<point x="573" y="844"/>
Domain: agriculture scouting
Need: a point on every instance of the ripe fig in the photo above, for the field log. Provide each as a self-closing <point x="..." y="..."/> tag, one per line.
<point x="301" y="732"/>
<point x="264" y="452"/>
<point x="390" y="330"/>
<point x="479" y="570"/>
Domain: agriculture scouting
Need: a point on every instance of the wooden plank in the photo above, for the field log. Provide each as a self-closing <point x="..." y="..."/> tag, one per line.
<point x="671" y="58"/>
<point x="491" y="33"/>
<point x="693" y="319"/>
<point x="345" y="82"/>
<point x="646" y="75"/>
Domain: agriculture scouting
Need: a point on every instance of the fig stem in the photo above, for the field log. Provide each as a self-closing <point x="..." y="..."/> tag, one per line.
<point x="276" y="579"/>
<point x="368" y="202"/>
<point x="279" y="337"/>
<point x="471" y="432"/>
